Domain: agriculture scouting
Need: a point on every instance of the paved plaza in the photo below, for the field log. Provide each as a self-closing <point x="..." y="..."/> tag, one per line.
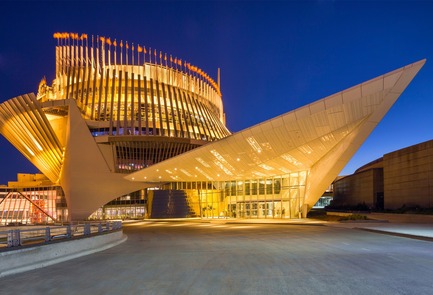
<point x="187" y="257"/>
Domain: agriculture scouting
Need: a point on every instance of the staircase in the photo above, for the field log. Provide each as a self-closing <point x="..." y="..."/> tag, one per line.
<point x="171" y="204"/>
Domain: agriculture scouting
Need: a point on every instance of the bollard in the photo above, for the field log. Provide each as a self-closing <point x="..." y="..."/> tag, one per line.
<point x="10" y="238"/>
<point x="87" y="229"/>
<point x="17" y="238"/>
<point x="47" y="234"/>
<point x="69" y="231"/>
<point x="14" y="238"/>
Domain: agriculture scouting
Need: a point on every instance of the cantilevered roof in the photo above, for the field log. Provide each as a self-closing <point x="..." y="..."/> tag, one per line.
<point x="324" y="134"/>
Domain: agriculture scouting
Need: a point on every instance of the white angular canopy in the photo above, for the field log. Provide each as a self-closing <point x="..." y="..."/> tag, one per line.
<point x="319" y="138"/>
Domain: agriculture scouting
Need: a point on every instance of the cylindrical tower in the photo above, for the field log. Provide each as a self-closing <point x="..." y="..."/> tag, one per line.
<point x="145" y="104"/>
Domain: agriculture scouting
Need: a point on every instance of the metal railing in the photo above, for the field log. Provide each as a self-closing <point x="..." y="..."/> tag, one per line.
<point x="22" y="237"/>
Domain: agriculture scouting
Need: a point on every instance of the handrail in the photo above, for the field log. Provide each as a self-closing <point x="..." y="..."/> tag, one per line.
<point x="23" y="237"/>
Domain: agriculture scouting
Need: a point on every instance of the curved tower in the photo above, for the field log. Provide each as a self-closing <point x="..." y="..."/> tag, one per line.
<point x="147" y="106"/>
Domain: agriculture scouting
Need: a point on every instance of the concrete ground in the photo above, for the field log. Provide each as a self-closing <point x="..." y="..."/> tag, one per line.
<point x="221" y="257"/>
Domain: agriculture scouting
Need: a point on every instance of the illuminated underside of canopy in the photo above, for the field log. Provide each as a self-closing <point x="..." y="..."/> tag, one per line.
<point x="319" y="138"/>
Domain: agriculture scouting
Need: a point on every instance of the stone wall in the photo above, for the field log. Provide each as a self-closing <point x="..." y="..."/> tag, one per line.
<point x="409" y="177"/>
<point x="359" y="188"/>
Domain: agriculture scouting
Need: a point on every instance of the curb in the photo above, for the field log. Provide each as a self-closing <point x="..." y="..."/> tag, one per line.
<point x="415" y="237"/>
<point x="17" y="261"/>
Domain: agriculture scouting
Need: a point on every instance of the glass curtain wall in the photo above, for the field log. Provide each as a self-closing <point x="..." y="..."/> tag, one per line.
<point x="277" y="197"/>
<point x="130" y="206"/>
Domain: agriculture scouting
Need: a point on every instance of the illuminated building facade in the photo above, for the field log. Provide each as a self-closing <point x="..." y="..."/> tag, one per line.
<point x="120" y="118"/>
<point x="32" y="199"/>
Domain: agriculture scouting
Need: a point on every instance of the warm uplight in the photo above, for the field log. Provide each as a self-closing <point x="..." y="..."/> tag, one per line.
<point x="290" y="159"/>
<point x="222" y="163"/>
<point x="141" y="53"/>
<point x="185" y="172"/>
<point x="38" y="146"/>
<point x="266" y="167"/>
<point x="201" y="161"/>
<point x="254" y="144"/>
<point x="203" y="173"/>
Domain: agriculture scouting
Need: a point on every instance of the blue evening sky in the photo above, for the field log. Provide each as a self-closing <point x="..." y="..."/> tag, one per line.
<point x="274" y="56"/>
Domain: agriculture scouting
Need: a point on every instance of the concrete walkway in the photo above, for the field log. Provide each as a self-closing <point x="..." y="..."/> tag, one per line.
<point x="239" y="257"/>
<point x="405" y="225"/>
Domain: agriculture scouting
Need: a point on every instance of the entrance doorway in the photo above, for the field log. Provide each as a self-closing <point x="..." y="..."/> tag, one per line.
<point x="380" y="201"/>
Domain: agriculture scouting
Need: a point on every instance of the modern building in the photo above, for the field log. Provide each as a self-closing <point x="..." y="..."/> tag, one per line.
<point x="402" y="178"/>
<point x="119" y="119"/>
<point x="32" y="199"/>
<point x="362" y="189"/>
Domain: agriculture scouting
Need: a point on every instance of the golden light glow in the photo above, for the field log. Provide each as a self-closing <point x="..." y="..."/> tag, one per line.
<point x="254" y="144"/>
<point x="187" y="67"/>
